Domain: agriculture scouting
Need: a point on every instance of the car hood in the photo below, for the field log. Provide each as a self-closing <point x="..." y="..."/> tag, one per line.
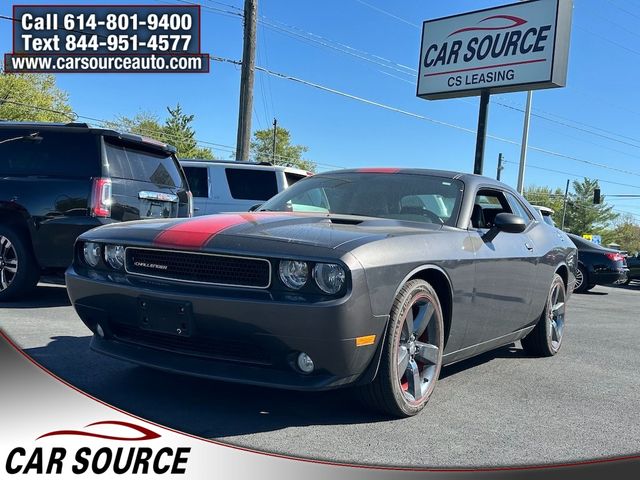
<point x="226" y="230"/>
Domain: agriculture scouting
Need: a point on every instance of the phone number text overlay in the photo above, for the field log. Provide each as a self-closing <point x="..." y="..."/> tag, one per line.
<point x="106" y="38"/>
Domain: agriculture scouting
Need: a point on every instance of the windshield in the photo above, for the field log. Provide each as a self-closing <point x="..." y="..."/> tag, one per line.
<point x="416" y="198"/>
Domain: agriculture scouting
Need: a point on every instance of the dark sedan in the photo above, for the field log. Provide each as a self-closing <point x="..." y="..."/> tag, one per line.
<point x="633" y="264"/>
<point x="372" y="278"/>
<point x="597" y="265"/>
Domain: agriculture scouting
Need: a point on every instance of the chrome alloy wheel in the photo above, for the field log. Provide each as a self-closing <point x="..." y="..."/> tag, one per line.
<point x="579" y="279"/>
<point x="556" y="309"/>
<point x="8" y="263"/>
<point x="418" y="350"/>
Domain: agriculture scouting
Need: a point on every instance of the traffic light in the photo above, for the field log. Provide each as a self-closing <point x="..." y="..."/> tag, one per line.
<point x="596" y="196"/>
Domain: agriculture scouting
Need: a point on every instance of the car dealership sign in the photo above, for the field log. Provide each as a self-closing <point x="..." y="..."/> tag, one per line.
<point x="522" y="46"/>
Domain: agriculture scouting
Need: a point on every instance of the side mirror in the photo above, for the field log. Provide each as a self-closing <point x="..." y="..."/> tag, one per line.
<point x="509" y="223"/>
<point x="255" y="207"/>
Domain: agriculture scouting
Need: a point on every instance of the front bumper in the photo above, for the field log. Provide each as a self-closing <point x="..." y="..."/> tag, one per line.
<point x="235" y="335"/>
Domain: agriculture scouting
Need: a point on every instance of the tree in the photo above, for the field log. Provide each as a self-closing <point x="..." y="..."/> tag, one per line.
<point x="33" y="98"/>
<point x="286" y="154"/>
<point x="583" y="216"/>
<point x="546" y="197"/>
<point x="626" y="233"/>
<point x="177" y="130"/>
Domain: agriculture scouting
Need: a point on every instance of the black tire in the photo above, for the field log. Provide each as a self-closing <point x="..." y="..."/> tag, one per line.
<point x="545" y="339"/>
<point x="584" y="285"/>
<point x="19" y="272"/>
<point x="387" y="393"/>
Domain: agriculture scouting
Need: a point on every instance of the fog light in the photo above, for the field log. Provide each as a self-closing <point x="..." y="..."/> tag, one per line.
<point x="100" y="331"/>
<point x="305" y="364"/>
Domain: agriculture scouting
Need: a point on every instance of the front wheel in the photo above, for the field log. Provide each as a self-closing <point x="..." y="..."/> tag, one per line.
<point x="546" y="338"/>
<point x="412" y="353"/>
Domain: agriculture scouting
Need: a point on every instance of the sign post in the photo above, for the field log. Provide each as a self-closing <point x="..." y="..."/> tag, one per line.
<point x="515" y="47"/>
<point x="481" y="133"/>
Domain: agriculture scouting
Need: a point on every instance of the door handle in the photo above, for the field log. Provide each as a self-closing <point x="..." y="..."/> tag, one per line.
<point x="529" y="247"/>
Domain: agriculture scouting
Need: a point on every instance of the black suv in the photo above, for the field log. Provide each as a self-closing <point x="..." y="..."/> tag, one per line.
<point x="60" y="180"/>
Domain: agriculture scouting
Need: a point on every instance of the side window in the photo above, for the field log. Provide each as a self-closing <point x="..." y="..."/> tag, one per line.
<point x="292" y="178"/>
<point x="248" y="184"/>
<point x="488" y="204"/>
<point x="56" y="153"/>
<point x="518" y="209"/>
<point x="314" y="200"/>
<point x="198" y="179"/>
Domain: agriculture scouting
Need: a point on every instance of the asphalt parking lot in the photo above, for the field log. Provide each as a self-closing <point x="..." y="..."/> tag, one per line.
<point x="498" y="409"/>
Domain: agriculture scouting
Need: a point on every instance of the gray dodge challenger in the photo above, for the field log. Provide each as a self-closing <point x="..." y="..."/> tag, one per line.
<point x="370" y="278"/>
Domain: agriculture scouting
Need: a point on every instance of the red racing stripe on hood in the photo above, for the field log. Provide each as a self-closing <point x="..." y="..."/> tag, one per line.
<point x="196" y="233"/>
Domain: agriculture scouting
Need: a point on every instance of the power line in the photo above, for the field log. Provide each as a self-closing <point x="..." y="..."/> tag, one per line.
<point x="434" y="121"/>
<point x="73" y="117"/>
<point x="387" y="13"/>
<point x="606" y="39"/>
<point x="300" y="34"/>
<point x="623" y="9"/>
<point x="552" y="170"/>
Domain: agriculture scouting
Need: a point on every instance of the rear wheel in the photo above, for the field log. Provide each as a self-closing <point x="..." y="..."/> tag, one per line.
<point x="546" y="338"/>
<point x="412" y="355"/>
<point x="19" y="273"/>
<point x="582" y="280"/>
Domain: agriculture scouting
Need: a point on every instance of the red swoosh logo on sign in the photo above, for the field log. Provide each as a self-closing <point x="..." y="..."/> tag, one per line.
<point x="517" y="21"/>
<point x="146" y="433"/>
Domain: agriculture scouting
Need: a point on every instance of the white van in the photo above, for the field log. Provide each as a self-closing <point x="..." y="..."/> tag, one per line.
<point x="228" y="186"/>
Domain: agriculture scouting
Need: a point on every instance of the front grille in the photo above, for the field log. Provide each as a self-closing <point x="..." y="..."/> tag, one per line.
<point x="199" y="267"/>
<point x="202" y="347"/>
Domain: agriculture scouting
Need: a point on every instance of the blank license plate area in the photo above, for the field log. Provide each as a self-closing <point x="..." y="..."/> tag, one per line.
<point x="164" y="316"/>
<point x="156" y="209"/>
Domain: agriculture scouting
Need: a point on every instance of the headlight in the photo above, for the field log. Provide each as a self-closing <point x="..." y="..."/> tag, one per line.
<point x="294" y="274"/>
<point x="329" y="277"/>
<point x="92" y="253"/>
<point x="114" y="256"/>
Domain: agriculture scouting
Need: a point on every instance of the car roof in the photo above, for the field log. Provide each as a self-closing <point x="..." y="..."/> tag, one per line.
<point x="544" y="210"/>
<point x="468" y="179"/>
<point x="197" y="162"/>
<point x="80" y="127"/>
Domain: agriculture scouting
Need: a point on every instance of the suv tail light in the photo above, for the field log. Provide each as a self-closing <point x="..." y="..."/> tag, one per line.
<point x="616" y="257"/>
<point x="190" y="202"/>
<point x="101" y="198"/>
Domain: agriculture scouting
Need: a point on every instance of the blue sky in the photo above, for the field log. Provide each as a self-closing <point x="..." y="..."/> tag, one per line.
<point x="601" y="94"/>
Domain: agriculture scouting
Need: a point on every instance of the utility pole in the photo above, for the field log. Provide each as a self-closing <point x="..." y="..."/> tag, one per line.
<point x="246" y="80"/>
<point x="525" y="143"/>
<point x="500" y="167"/>
<point x="564" y="207"/>
<point x="273" y="146"/>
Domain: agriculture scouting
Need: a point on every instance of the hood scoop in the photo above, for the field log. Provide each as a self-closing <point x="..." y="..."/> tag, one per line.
<point x="345" y="221"/>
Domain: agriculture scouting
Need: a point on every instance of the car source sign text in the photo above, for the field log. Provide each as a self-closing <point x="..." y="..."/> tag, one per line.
<point x="521" y="46"/>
